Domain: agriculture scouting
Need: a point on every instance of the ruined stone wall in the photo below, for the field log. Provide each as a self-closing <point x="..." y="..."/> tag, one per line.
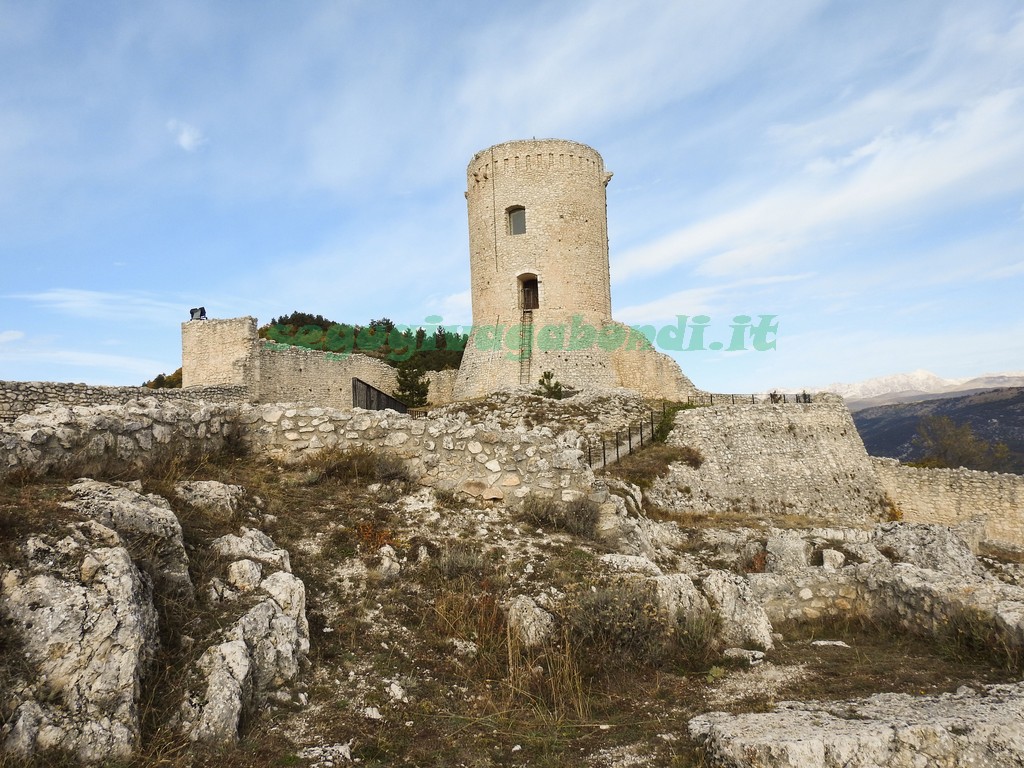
<point x="771" y="459"/>
<point x="295" y="374"/>
<point x="442" y="386"/>
<point x="651" y="373"/>
<point x="219" y="352"/>
<point x="444" y="451"/>
<point x="20" y="397"/>
<point x="957" y="496"/>
<point x="85" y="439"/>
<point x="229" y="352"/>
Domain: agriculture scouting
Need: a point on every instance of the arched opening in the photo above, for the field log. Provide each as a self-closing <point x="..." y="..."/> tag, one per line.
<point x="529" y="292"/>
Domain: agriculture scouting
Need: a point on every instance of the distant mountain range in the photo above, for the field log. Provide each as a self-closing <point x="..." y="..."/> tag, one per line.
<point x="995" y="415"/>
<point x="918" y="386"/>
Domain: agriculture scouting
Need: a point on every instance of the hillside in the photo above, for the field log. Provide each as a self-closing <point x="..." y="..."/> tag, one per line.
<point x="995" y="416"/>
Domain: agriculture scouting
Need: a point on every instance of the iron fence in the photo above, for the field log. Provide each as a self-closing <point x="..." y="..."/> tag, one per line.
<point x="711" y="398"/>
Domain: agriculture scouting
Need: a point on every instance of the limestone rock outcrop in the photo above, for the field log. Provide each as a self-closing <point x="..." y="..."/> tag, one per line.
<point x="261" y="654"/>
<point x="84" y="615"/>
<point x="967" y="728"/>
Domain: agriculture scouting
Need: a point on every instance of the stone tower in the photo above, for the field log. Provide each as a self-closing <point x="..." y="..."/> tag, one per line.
<point x="538" y="243"/>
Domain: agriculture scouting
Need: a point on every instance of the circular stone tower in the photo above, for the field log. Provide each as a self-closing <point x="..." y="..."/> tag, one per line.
<point x="538" y="241"/>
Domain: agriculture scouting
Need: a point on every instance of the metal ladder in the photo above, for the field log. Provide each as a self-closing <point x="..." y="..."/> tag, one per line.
<point x="525" y="346"/>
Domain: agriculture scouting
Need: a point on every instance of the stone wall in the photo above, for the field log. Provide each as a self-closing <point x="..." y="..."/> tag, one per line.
<point x="230" y="352"/>
<point x="443" y="450"/>
<point x="20" y="397"/>
<point x="770" y="459"/>
<point x="957" y="496"/>
<point x="139" y="433"/>
<point x="218" y="352"/>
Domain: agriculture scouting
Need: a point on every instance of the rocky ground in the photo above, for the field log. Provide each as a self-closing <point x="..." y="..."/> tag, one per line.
<point x="236" y="611"/>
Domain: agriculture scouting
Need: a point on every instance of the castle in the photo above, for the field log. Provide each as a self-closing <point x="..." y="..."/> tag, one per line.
<point x="541" y="293"/>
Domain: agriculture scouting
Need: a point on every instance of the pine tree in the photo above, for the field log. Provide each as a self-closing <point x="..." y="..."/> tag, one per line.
<point x="413" y="384"/>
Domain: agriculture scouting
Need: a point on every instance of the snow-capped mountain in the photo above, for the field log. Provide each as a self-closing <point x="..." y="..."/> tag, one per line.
<point x="918" y="385"/>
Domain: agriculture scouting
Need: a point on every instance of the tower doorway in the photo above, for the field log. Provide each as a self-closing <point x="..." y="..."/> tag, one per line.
<point x="529" y="292"/>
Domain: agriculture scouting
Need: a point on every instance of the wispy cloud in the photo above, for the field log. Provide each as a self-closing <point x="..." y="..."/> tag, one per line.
<point x="126" y="307"/>
<point x="186" y="135"/>
<point x="900" y="177"/>
<point x="6" y="336"/>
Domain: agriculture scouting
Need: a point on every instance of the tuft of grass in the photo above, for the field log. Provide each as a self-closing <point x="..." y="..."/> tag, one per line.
<point x="578" y="517"/>
<point x="357" y="466"/>
<point x="968" y="634"/>
<point x="694" y="642"/>
<point x="620" y="621"/>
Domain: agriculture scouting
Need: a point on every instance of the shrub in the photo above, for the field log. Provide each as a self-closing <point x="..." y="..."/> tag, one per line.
<point x="549" y="386"/>
<point x="695" y="639"/>
<point x="620" y="622"/>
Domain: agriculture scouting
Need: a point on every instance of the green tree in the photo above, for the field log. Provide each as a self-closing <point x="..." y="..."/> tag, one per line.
<point x="413" y="384"/>
<point x="948" y="444"/>
<point x="169" y="381"/>
<point x="549" y="387"/>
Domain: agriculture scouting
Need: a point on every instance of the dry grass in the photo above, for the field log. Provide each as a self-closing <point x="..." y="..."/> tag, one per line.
<point x="644" y="466"/>
<point x="882" y="657"/>
<point x="578" y="517"/>
<point x="614" y="673"/>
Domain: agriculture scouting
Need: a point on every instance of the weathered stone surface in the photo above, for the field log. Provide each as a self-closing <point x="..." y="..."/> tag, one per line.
<point x="678" y="596"/>
<point x="530" y="623"/>
<point x="258" y="659"/>
<point x="148" y="525"/>
<point x="927" y="546"/>
<point x="252" y="545"/>
<point x="218" y="499"/>
<point x="882" y="731"/>
<point x="84" y="615"/>
<point x="744" y="622"/>
<point x="788" y="552"/>
<point x="244" y="575"/>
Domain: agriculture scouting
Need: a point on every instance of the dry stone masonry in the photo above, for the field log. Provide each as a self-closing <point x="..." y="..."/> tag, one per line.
<point x="770" y="459"/>
<point x="19" y="397"/>
<point x="990" y="502"/>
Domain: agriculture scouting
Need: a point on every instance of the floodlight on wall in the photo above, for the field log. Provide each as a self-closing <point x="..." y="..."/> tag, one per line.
<point x="197" y="313"/>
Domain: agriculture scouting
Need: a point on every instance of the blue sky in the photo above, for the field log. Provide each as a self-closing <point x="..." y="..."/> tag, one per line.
<point x="855" y="168"/>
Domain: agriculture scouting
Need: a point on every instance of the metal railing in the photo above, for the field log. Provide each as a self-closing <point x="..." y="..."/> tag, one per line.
<point x="782" y="398"/>
<point x="609" y="448"/>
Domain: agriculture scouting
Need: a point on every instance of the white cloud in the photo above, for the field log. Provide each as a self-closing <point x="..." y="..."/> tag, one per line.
<point x="186" y="136"/>
<point x="6" y="336"/>
<point x="974" y="155"/>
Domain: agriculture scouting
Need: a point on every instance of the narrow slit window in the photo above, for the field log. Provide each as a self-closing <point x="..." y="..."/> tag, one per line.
<point x="517" y="221"/>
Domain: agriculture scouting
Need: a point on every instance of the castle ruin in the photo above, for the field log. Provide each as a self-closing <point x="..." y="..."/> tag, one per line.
<point x="541" y="289"/>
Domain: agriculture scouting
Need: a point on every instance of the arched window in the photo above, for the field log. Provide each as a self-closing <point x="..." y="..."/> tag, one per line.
<point x="517" y="220"/>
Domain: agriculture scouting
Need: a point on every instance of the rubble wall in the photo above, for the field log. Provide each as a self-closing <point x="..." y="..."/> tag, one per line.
<point x="956" y="496"/>
<point x="20" y="397"/>
<point x="443" y="451"/>
<point x="771" y="458"/>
